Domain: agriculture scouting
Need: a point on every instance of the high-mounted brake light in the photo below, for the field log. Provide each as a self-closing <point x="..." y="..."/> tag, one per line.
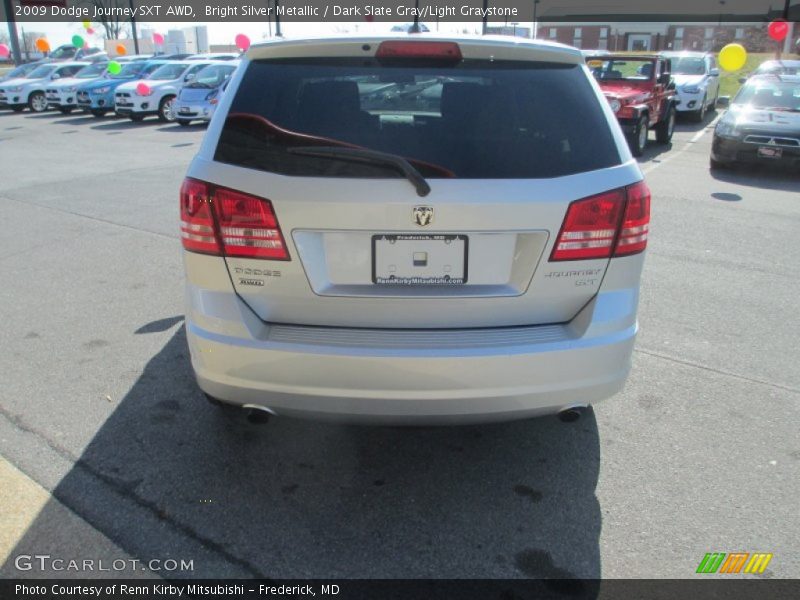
<point x="225" y="222"/>
<point x="419" y="49"/>
<point x="612" y="223"/>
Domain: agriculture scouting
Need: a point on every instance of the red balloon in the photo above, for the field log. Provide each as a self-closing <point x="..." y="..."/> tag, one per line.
<point x="778" y="29"/>
<point x="143" y="89"/>
<point x="158" y="39"/>
<point x="242" y="42"/>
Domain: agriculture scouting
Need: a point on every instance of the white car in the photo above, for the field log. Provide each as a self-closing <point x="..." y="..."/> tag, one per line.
<point x="413" y="229"/>
<point x="696" y="78"/>
<point x="29" y="91"/>
<point x="62" y="94"/>
<point x="163" y="86"/>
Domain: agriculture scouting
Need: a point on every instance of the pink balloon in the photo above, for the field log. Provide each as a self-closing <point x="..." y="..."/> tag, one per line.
<point x="242" y="42"/>
<point x="85" y="45"/>
<point x="4" y="51"/>
<point x="143" y="89"/>
<point x="158" y="39"/>
<point x="90" y="31"/>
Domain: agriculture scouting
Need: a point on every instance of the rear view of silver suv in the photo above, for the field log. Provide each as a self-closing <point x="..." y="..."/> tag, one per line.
<point x="413" y="229"/>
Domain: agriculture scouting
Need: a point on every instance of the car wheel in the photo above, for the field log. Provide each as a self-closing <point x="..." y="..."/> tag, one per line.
<point x="37" y="102"/>
<point x="638" y="139"/>
<point x="666" y="128"/>
<point x="17" y="108"/>
<point x="65" y="110"/>
<point x="165" y="113"/>
<point x="98" y="113"/>
<point x="716" y="165"/>
<point x="700" y="114"/>
<point x="136" y="118"/>
<point x="713" y="106"/>
<point x="184" y="122"/>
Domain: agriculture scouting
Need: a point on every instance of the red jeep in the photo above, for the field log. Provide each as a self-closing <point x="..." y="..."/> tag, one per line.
<point x="641" y="93"/>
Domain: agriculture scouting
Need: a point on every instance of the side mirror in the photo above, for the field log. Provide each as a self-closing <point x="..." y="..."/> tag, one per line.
<point x="714" y="72"/>
<point x="189" y="77"/>
<point x="724" y="101"/>
<point x="55" y="76"/>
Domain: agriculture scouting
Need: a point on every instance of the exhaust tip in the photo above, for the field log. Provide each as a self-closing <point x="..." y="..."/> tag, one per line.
<point x="569" y="415"/>
<point x="257" y="414"/>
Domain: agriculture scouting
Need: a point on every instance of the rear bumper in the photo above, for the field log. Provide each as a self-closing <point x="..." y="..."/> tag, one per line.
<point x="410" y="376"/>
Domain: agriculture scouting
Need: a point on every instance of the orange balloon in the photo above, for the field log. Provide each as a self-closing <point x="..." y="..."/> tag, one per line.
<point x="42" y="45"/>
<point x="121" y="50"/>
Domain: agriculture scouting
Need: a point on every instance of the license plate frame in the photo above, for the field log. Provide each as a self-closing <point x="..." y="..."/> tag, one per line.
<point x="769" y="152"/>
<point x="427" y="244"/>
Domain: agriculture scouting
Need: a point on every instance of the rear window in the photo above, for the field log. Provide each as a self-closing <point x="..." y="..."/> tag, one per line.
<point x="477" y="119"/>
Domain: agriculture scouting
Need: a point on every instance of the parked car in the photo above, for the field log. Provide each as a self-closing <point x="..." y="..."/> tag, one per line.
<point x="62" y="94"/>
<point x="696" y="78"/>
<point x="214" y="56"/>
<point x="30" y="91"/>
<point x="777" y="67"/>
<point x="163" y="85"/>
<point x="473" y="259"/>
<point x="71" y="53"/>
<point x="97" y="97"/>
<point x="641" y="93"/>
<point x="199" y="98"/>
<point x="761" y="125"/>
<point x="173" y="56"/>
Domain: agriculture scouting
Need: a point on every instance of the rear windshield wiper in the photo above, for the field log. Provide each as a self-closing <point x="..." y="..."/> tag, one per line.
<point x="374" y="157"/>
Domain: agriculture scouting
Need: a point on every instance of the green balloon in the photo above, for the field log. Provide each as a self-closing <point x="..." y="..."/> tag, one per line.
<point x="77" y="41"/>
<point x="114" y="67"/>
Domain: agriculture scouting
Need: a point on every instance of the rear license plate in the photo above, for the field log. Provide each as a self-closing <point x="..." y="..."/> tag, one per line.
<point x="416" y="259"/>
<point x="769" y="152"/>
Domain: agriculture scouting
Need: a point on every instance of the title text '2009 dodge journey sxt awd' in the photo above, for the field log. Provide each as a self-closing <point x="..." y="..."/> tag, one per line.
<point x="413" y="229"/>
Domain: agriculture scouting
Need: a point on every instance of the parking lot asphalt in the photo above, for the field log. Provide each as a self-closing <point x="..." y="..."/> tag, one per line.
<point x="699" y="453"/>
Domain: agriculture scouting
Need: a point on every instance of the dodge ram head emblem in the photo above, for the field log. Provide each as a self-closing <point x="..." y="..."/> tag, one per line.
<point x="423" y="215"/>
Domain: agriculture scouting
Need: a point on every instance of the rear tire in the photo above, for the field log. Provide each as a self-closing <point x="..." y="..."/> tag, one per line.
<point x="699" y="115"/>
<point x="37" y="102"/>
<point x="17" y="108"/>
<point x="98" y="113"/>
<point x="65" y="110"/>
<point x="638" y="139"/>
<point x="716" y="165"/>
<point x="666" y="127"/>
<point x="184" y="122"/>
<point x="136" y="118"/>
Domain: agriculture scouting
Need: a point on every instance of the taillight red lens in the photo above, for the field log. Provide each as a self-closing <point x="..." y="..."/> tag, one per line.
<point x="636" y="223"/>
<point x="225" y="222"/>
<point x="417" y="49"/>
<point x="612" y="223"/>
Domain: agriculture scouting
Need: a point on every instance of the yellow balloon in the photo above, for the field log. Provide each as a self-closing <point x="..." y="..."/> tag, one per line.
<point x="732" y="57"/>
<point x="86" y="24"/>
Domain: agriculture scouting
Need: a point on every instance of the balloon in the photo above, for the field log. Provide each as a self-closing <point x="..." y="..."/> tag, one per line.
<point x="121" y="50"/>
<point x="77" y="41"/>
<point x="114" y="67"/>
<point x="85" y="45"/>
<point x="86" y="24"/>
<point x="90" y="31"/>
<point x="42" y="45"/>
<point x="143" y="89"/>
<point x="778" y="29"/>
<point x="732" y="57"/>
<point x="242" y="42"/>
<point x="158" y="39"/>
<point x="4" y="51"/>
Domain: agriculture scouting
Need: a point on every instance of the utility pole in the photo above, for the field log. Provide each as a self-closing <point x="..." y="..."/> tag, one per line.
<point x="277" y="19"/>
<point x="535" y="27"/>
<point x="485" y="11"/>
<point x="12" y="31"/>
<point x="133" y="29"/>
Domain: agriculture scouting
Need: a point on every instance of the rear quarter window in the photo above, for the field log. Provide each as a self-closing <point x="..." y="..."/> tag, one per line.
<point x="477" y="119"/>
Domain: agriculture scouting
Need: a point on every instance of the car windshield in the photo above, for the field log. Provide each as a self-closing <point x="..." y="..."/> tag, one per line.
<point x="783" y="68"/>
<point x="166" y="72"/>
<point x="775" y="95"/>
<point x="91" y="71"/>
<point x="475" y="119"/>
<point x="211" y="76"/>
<point x="63" y="52"/>
<point x="621" y="70"/>
<point x="43" y="71"/>
<point x="686" y="65"/>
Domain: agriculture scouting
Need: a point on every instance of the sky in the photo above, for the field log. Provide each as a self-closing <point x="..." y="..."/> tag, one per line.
<point x="224" y="33"/>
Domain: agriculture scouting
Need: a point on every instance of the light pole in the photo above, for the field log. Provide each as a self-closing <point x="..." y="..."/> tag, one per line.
<point x="535" y="23"/>
<point x="133" y="29"/>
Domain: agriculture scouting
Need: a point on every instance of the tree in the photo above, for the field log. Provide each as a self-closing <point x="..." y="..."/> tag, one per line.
<point x="113" y="24"/>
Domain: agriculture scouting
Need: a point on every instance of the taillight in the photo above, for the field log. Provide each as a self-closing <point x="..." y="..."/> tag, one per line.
<point x="612" y="223"/>
<point x="225" y="222"/>
<point x="417" y="49"/>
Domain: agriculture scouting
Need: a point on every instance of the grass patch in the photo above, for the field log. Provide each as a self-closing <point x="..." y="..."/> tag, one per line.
<point x="729" y="80"/>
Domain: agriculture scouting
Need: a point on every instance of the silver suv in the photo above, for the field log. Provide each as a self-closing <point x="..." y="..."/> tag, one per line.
<point x="413" y="229"/>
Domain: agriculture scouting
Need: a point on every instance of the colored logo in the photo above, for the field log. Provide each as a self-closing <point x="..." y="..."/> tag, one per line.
<point x="734" y="562"/>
